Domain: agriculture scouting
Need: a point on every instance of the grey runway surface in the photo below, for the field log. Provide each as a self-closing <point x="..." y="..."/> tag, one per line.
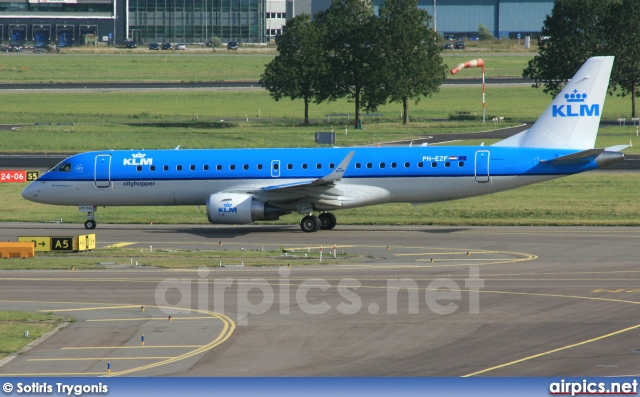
<point x="553" y="301"/>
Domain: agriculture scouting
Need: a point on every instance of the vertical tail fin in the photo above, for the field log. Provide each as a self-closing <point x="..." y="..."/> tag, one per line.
<point x="573" y="118"/>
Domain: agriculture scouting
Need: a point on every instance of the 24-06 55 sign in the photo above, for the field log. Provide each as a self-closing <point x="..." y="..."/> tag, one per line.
<point x="18" y="176"/>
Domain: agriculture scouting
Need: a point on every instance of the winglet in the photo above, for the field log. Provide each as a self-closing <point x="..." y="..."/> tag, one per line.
<point x="337" y="173"/>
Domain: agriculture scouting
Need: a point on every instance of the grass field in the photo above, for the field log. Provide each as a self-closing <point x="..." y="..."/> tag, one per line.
<point x="189" y="67"/>
<point x="177" y="259"/>
<point x="166" y="119"/>
<point x="14" y="324"/>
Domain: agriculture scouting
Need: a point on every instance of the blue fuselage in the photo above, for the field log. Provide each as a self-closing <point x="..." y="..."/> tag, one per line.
<point x="374" y="175"/>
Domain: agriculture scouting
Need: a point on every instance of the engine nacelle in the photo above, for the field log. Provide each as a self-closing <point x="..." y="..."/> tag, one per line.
<point x="235" y="208"/>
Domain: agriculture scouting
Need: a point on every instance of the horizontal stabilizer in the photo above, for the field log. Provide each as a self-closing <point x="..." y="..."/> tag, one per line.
<point x="617" y="148"/>
<point x="575" y="158"/>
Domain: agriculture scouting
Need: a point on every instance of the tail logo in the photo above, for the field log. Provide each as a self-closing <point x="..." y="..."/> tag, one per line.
<point x="575" y="106"/>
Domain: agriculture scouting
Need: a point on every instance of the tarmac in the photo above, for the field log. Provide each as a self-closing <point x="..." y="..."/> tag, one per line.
<point x="422" y="301"/>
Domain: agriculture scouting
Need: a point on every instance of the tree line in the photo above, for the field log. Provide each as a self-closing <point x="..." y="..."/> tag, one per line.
<point x="348" y="51"/>
<point x="580" y="29"/>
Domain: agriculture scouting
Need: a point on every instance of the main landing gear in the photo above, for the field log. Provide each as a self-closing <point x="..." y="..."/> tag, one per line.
<point x="90" y="223"/>
<point x="312" y="223"/>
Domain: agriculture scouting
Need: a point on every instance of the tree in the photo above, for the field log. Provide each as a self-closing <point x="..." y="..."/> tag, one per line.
<point x="413" y="66"/>
<point x="484" y="33"/>
<point x="623" y="32"/>
<point x="296" y="72"/>
<point x="354" y="54"/>
<point x="576" y="30"/>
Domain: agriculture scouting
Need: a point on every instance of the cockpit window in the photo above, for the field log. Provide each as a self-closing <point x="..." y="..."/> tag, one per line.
<point x="66" y="167"/>
<point x="55" y="167"/>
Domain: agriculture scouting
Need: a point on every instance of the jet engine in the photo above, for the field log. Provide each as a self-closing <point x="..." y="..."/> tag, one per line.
<point x="236" y="208"/>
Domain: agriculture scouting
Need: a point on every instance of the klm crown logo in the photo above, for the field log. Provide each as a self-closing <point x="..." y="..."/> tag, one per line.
<point x="575" y="107"/>
<point x="575" y="97"/>
<point x="138" y="155"/>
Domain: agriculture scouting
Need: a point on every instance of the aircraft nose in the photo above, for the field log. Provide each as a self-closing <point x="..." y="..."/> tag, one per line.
<point x="30" y="192"/>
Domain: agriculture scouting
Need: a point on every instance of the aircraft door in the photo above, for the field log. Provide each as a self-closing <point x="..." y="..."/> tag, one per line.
<point x="482" y="166"/>
<point x="275" y="168"/>
<point x="102" y="170"/>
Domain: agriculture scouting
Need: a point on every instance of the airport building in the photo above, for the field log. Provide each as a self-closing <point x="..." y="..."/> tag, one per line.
<point x="100" y="22"/>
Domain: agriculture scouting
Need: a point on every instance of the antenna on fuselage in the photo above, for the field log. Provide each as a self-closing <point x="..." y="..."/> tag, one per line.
<point x="177" y="147"/>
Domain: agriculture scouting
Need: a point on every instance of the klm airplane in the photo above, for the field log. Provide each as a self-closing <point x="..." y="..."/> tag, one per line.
<point x="240" y="186"/>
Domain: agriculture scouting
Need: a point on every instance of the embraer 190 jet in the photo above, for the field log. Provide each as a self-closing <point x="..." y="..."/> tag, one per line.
<point x="240" y="186"/>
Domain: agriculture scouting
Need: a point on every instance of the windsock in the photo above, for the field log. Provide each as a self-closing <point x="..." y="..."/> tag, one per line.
<point x="470" y="64"/>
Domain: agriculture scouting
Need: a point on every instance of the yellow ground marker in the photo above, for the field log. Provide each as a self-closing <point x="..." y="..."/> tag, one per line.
<point x="552" y="351"/>
<point x="118" y="245"/>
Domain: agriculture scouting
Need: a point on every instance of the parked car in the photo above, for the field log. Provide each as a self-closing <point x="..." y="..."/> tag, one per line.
<point x="232" y="45"/>
<point x="12" y="48"/>
<point x="181" y="47"/>
<point x="447" y="46"/>
<point x="154" y="46"/>
<point x="459" y="45"/>
<point x="131" y="44"/>
<point x="166" y="46"/>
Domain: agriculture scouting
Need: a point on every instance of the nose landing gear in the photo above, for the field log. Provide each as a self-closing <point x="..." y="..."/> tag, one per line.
<point x="90" y="223"/>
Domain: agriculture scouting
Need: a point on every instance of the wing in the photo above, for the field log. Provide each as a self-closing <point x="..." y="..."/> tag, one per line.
<point x="320" y="193"/>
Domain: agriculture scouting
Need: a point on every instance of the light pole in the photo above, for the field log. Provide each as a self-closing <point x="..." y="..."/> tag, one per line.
<point x="470" y="64"/>
<point x="435" y="24"/>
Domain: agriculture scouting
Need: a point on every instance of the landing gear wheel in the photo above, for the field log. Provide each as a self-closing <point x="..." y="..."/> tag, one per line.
<point x="310" y="224"/>
<point x="90" y="224"/>
<point x="327" y="221"/>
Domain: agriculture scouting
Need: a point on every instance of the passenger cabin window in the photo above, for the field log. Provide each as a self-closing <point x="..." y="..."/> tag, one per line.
<point x="447" y="164"/>
<point x="420" y="164"/>
<point x="434" y="164"/>
<point x="205" y="167"/>
<point x="289" y="166"/>
<point x="66" y="167"/>
<point x="219" y="167"/>
<point x="259" y="166"/>
<point x="382" y="165"/>
<point x="139" y="168"/>
<point x="152" y="168"/>
<point x="393" y="165"/>
<point x="369" y="165"/>
<point x="166" y="168"/>
<point x="276" y="166"/>
<point x="179" y="168"/>
<point x="460" y="164"/>
<point x="358" y="165"/>
<point x="332" y="166"/>
<point x="232" y="167"/>
<point x="245" y="167"/>
<point x="304" y="166"/>
<point x="318" y="166"/>
<point x="192" y="167"/>
<point x="407" y="165"/>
